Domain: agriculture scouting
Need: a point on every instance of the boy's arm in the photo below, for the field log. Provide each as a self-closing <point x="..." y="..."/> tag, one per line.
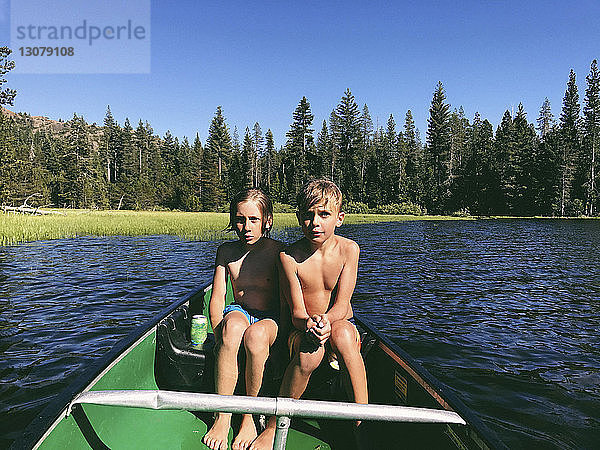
<point x="292" y="291"/>
<point x="346" y="283"/>
<point x="219" y="290"/>
<point x="283" y="330"/>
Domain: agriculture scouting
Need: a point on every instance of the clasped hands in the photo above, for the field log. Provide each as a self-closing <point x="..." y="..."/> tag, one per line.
<point x="318" y="328"/>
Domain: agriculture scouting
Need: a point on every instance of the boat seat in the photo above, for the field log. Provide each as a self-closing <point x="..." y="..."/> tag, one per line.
<point x="178" y="364"/>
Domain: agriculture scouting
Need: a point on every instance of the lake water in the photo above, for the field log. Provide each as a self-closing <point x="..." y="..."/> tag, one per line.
<point x="506" y="313"/>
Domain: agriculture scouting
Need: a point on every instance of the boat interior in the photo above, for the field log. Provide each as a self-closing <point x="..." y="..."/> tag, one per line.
<point x="183" y="367"/>
<point x="161" y="358"/>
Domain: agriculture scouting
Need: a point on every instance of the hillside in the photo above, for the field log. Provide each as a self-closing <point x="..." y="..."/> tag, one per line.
<point x="38" y="122"/>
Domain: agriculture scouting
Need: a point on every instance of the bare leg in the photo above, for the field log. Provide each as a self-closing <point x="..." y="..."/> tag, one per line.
<point x="229" y="337"/>
<point x="258" y="338"/>
<point x="293" y="385"/>
<point x="344" y="342"/>
<point x="298" y="373"/>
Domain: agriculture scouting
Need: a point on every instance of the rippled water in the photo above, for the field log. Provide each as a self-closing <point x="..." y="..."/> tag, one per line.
<point x="64" y="303"/>
<point x="506" y="313"/>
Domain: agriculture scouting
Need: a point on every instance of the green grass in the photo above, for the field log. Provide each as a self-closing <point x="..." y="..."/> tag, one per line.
<point x="17" y="228"/>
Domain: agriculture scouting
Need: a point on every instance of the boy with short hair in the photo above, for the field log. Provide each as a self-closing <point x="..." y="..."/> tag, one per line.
<point x="318" y="275"/>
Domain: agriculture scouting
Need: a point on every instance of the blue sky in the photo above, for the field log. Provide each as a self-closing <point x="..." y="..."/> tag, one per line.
<point x="257" y="60"/>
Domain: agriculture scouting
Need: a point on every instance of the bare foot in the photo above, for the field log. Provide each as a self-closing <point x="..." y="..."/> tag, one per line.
<point x="264" y="441"/>
<point x="216" y="437"/>
<point x="246" y="435"/>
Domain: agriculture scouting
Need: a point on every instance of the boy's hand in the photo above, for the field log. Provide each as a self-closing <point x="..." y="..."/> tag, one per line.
<point x="321" y="329"/>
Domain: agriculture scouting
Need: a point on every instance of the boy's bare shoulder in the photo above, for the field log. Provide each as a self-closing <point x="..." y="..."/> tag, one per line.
<point x="229" y="247"/>
<point x="273" y="244"/>
<point x="296" y="251"/>
<point x="228" y="251"/>
<point x="346" y="246"/>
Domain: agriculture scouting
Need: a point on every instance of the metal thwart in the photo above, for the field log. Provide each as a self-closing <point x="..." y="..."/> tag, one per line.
<point x="283" y="408"/>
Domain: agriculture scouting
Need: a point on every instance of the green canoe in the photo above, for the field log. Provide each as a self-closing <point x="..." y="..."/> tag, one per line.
<point x="153" y="391"/>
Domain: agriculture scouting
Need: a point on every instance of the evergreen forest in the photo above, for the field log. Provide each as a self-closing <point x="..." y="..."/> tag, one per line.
<point x="464" y="166"/>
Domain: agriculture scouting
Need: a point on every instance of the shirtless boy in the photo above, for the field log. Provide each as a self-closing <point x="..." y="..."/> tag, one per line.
<point x="317" y="280"/>
<point x="251" y="264"/>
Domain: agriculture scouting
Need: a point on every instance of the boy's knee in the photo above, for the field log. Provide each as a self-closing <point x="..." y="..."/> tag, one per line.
<point x="233" y="329"/>
<point x="343" y="336"/>
<point x="256" y="340"/>
<point x="343" y="332"/>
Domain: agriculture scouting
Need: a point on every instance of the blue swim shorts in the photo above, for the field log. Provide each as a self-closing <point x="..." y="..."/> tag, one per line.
<point x="253" y="315"/>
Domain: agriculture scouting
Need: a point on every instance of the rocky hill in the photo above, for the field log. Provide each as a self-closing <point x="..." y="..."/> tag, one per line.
<point x="38" y="122"/>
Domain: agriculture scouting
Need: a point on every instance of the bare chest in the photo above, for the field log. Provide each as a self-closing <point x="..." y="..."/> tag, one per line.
<point x="252" y="271"/>
<point x="319" y="275"/>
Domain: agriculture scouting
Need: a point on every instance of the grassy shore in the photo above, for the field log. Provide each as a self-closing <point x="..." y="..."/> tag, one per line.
<point x="17" y="228"/>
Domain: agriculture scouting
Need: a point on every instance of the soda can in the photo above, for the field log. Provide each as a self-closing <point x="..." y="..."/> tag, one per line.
<point x="199" y="330"/>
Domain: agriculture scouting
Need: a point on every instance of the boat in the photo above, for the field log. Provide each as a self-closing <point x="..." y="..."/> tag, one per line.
<point x="154" y="390"/>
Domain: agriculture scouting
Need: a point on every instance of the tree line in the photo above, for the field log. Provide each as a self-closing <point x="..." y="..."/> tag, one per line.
<point x="463" y="166"/>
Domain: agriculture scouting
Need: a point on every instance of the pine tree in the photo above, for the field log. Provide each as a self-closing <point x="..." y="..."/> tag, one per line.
<point x="324" y="149"/>
<point x="218" y="144"/>
<point x="366" y="129"/>
<point x="110" y="146"/>
<point x="545" y="120"/>
<point x="460" y="130"/>
<point x="591" y="139"/>
<point x="141" y="144"/>
<point x="235" y="143"/>
<point x="523" y="161"/>
<point x="246" y="161"/>
<point x="269" y="157"/>
<point x="330" y="166"/>
<point x="7" y="95"/>
<point x="23" y="177"/>
<point x="548" y="163"/>
<point x="77" y="189"/>
<point x="49" y="149"/>
<point x="277" y="183"/>
<point x="374" y="172"/>
<point x="257" y="154"/>
<point x="7" y="157"/>
<point x="184" y="188"/>
<point x="347" y="138"/>
<point x="414" y="160"/>
<point x="503" y="164"/>
<point x="235" y="172"/>
<point x="438" y="151"/>
<point x="569" y="143"/>
<point x="480" y="184"/>
<point x="548" y="173"/>
<point x="195" y="175"/>
<point x="169" y="148"/>
<point x="128" y="168"/>
<point x="390" y="165"/>
<point x="149" y="166"/>
<point x="211" y="193"/>
<point x="299" y="148"/>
